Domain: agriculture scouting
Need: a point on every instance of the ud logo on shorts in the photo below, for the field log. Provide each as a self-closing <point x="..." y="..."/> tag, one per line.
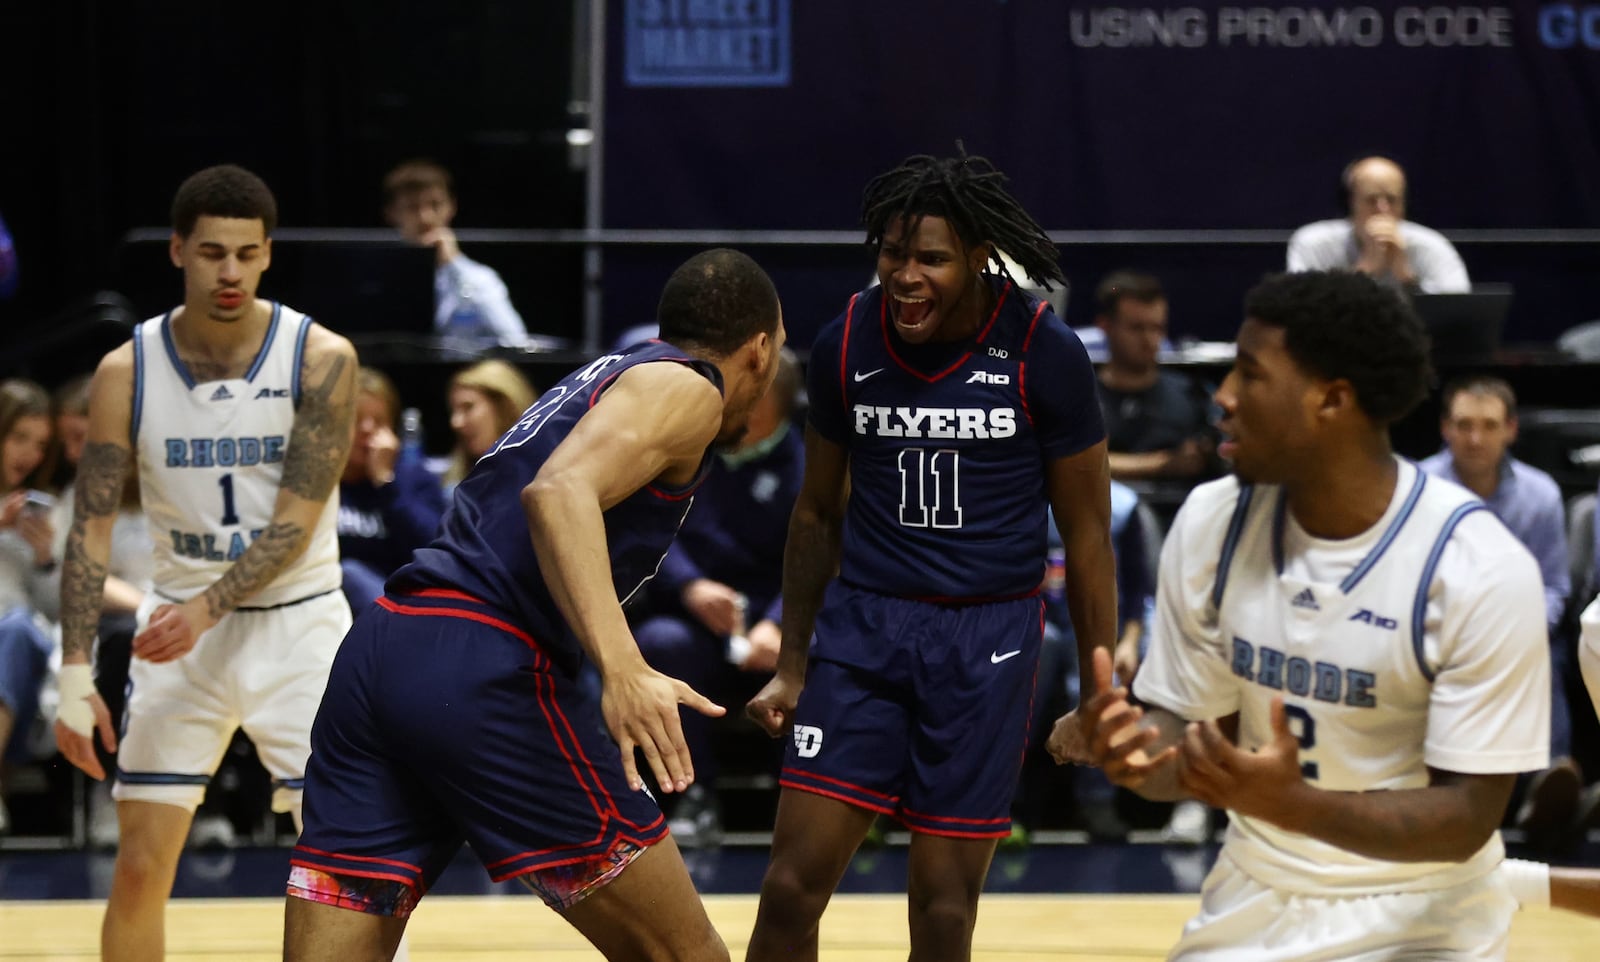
<point x="807" y="740"/>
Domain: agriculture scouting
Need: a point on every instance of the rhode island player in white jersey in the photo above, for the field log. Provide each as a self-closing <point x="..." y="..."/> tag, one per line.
<point x="237" y="413"/>
<point x="1349" y="656"/>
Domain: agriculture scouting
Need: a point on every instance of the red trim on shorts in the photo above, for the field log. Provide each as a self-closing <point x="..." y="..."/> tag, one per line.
<point x="847" y="799"/>
<point x="952" y="818"/>
<point x="837" y="781"/>
<point x="491" y="866"/>
<point x="409" y="883"/>
<point x="545" y="704"/>
<point x="594" y="773"/>
<point x="599" y="783"/>
<point x="642" y="843"/>
<point x="450" y="593"/>
<point x="357" y="858"/>
<point x="417" y="610"/>
<point x="952" y="833"/>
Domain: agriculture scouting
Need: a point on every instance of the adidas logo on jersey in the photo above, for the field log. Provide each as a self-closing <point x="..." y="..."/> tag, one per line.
<point x="222" y="393"/>
<point x="1306" y="599"/>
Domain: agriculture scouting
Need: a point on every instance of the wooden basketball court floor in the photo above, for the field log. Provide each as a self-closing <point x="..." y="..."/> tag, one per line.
<point x="857" y="928"/>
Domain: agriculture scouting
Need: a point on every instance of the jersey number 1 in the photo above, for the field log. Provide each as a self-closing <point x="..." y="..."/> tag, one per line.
<point x="229" y="516"/>
<point x="930" y="489"/>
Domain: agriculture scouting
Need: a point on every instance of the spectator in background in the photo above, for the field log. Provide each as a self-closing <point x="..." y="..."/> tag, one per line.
<point x="29" y="582"/>
<point x="1376" y="239"/>
<point x="132" y="565"/>
<point x="1479" y="425"/>
<point x="470" y="299"/>
<point x="715" y="604"/>
<point x="1157" y="422"/>
<point x="389" y="502"/>
<point x="485" y="400"/>
<point x="1057" y="691"/>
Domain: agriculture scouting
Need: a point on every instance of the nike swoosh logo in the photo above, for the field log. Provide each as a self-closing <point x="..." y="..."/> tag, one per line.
<point x="997" y="658"/>
<point x="862" y="377"/>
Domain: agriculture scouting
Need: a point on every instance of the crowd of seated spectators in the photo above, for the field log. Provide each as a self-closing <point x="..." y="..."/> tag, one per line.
<point x="711" y="616"/>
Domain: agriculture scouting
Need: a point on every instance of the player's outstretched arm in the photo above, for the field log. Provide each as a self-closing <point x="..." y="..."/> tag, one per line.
<point x="319" y="445"/>
<point x="655" y="421"/>
<point x="102" y="470"/>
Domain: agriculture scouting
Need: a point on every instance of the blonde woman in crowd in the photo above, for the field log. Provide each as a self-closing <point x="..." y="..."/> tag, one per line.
<point x="485" y="400"/>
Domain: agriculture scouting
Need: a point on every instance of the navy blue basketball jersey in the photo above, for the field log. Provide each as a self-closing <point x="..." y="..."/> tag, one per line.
<point x="948" y="444"/>
<point x="483" y="548"/>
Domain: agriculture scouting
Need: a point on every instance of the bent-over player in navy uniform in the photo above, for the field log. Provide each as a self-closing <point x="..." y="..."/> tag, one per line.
<point x="958" y="409"/>
<point x="454" y="711"/>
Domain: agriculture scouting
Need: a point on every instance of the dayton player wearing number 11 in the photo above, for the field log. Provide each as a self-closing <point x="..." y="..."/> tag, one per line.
<point x="959" y="408"/>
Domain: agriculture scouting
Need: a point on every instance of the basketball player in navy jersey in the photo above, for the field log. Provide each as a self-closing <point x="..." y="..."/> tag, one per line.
<point x="238" y="413"/>
<point x="1348" y="655"/>
<point x="454" y="711"/>
<point x="959" y="409"/>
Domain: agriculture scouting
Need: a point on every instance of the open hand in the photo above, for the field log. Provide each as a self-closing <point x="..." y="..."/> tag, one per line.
<point x="1117" y="743"/>
<point x="1216" y="771"/>
<point x="641" y="711"/>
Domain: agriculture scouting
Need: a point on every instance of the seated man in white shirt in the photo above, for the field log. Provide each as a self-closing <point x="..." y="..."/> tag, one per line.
<point x="1377" y="240"/>
<point x="470" y="299"/>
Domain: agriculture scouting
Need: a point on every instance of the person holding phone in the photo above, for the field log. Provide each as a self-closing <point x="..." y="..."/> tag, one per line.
<point x="28" y="580"/>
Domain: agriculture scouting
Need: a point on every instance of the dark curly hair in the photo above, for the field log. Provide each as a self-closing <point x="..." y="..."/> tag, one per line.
<point x="1344" y="325"/>
<point x="970" y="194"/>
<point x="717" y="300"/>
<point x="225" y="190"/>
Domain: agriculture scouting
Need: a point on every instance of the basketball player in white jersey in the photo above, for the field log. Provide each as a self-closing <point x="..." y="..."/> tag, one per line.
<point x="1349" y="656"/>
<point x="237" y="414"/>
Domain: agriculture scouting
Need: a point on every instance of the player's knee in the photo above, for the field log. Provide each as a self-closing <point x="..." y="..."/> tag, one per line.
<point x="143" y="870"/>
<point x="789" y="897"/>
<point x="942" y="920"/>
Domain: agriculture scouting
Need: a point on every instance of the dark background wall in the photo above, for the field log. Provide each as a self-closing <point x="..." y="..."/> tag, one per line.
<point x="1102" y="127"/>
<point x="108" y="106"/>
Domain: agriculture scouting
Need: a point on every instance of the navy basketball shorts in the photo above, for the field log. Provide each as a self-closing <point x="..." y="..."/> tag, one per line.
<point x="918" y="710"/>
<point x="443" y="723"/>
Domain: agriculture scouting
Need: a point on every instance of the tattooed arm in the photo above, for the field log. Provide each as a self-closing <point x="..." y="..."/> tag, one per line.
<point x="318" y="447"/>
<point x="101" y="471"/>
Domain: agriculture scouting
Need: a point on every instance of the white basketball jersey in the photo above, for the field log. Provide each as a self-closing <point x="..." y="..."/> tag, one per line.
<point x="1419" y="643"/>
<point x="210" y="459"/>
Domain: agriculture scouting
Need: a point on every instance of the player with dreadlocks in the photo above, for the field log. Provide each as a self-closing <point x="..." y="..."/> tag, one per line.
<point x="954" y="409"/>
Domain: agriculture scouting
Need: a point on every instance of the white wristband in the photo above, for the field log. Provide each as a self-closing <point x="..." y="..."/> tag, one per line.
<point x="1529" y="881"/>
<point x="76" y="683"/>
